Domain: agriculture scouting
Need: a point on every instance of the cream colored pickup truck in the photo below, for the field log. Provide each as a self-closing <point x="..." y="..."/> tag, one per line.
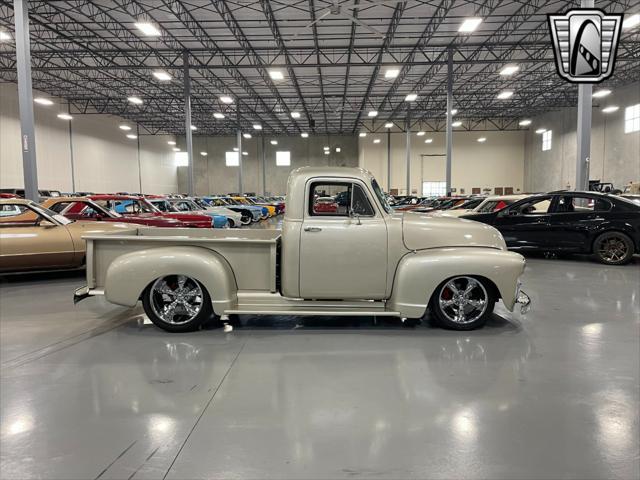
<point x="349" y="256"/>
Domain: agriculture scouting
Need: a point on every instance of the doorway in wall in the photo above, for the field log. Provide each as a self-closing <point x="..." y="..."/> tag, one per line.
<point x="434" y="189"/>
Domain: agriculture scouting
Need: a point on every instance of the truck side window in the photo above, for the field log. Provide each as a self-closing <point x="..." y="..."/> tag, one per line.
<point x="330" y="199"/>
<point x="361" y="205"/>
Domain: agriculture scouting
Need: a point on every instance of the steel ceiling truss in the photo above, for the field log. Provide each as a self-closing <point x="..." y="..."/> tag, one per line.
<point x="91" y="54"/>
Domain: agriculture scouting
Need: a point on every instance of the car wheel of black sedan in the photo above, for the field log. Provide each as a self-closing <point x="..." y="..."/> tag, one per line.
<point x="613" y="248"/>
<point x="463" y="303"/>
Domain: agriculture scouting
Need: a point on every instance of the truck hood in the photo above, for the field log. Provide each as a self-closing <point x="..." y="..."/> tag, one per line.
<point x="421" y="231"/>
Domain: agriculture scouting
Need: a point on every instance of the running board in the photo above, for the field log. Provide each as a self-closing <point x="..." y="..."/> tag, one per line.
<point x="315" y="311"/>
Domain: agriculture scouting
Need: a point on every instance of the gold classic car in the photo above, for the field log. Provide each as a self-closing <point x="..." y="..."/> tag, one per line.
<point x="35" y="238"/>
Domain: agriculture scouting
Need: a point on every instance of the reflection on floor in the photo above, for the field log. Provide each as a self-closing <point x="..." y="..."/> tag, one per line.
<point x="94" y="391"/>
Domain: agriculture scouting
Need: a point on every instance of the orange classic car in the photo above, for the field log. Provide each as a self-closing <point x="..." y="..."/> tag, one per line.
<point x="35" y="238"/>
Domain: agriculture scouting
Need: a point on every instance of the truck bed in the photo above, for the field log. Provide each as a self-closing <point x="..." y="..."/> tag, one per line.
<point x="252" y="254"/>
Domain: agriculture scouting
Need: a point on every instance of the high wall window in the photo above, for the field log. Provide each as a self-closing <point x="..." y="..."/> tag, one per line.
<point x="546" y="140"/>
<point x="434" y="189"/>
<point x="632" y="118"/>
<point x="231" y="159"/>
<point x="283" y="159"/>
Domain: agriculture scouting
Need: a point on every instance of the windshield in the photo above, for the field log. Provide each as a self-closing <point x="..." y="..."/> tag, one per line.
<point x="489" y="206"/>
<point x="61" y="219"/>
<point x="380" y="195"/>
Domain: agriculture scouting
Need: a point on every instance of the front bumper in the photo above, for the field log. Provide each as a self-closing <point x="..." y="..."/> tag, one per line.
<point x="523" y="300"/>
<point x="85" y="292"/>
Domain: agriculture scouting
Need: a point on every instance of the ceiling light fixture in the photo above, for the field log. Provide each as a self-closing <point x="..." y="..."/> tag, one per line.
<point x="304" y="135"/>
<point x="226" y="99"/>
<point x="456" y="124"/>
<point x="509" y="70"/>
<point x="147" y="28"/>
<point x="363" y="134"/>
<point x="631" y="21"/>
<point x="504" y="95"/>
<point x="4" y="36"/>
<point x="193" y="127"/>
<point x="295" y="114"/>
<point x="372" y="113"/>
<point x="204" y="154"/>
<point x="610" y="109"/>
<point x="218" y="115"/>
<point x="246" y="135"/>
<point x="274" y="142"/>
<point x="235" y="149"/>
<point x="135" y="100"/>
<point x="388" y="125"/>
<point x="245" y="153"/>
<point x="257" y="126"/>
<point x="411" y="97"/>
<point x="428" y="140"/>
<point x="420" y="133"/>
<point x="171" y="142"/>
<point x="327" y="152"/>
<point x="376" y="140"/>
<point x="132" y="136"/>
<point x="454" y="111"/>
<point x="541" y="130"/>
<point x="276" y="75"/>
<point x="338" y="149"/>
<point x="43" y="101"/>
<point x="391" y="73"/>
<point x="325" y="148"/>
<point x="64" y="116"/>
<point x="126" y="128"/>
<point x="482" y="139"/>
<point x="603" y="92"/>
<point x="524" y="123"/>
<point x="470" y="25"/>
<point x="162" y="75"/>
<point x="176" y="149"/>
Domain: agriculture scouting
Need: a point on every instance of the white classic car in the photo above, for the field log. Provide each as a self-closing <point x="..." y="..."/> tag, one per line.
<point x="359" y="258"/>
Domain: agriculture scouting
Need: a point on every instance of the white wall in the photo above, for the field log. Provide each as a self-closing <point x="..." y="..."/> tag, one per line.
<point x="498" y="162"/>
<point x="615" y="155"/>
<point x="105" y="160"/>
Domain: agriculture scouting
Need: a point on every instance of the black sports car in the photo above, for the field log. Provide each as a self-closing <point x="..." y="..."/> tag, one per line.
<point x="605" y="225"/>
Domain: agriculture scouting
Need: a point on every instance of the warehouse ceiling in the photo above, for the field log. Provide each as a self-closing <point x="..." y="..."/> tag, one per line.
<point x="333" y="72"/>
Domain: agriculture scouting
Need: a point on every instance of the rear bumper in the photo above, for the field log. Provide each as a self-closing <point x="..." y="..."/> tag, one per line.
<point x="85" y="292"/>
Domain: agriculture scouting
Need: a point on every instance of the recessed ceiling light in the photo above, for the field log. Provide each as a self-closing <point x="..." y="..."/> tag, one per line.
<point x="245" y="153"/>
<point x="610" y="109"/>
<point x="162" y="75"/>
<point x="218" y="115"/>
<point x="376" y="140"/>
<point x="327" y="152"/>
<point x="325" y="148"/>
<point x="204" y="154"/>
<point x="428" y="140"/>
<point x="388" y="125"/>
<point x="338" y="149"/>
<point x="505" y="94"/>
<point x="43" y="101"/>
<point x="276" y="75"/>
<point x="64" y="116"/>
<point x="126" y="128"/>
<point x="603" y="92"/>
<point x="226" y="99"/>
<point x="304" y="134"/>
<point x="454" y="111"/>
<point x="524" y="123"/>
<point x="482" y="139"/>
<point x="257" y="126"/>
<point x="274" y="142"/>
<point x="420" y="133"/>
<point x="132" y="136"/>
<point x="541" y="130"/>
<point x="363" y="134"/>
<point x="372" y="113"/>
<point x="235" y="149"/>
<point x="135" y="100"/>
<point x="193" y="127"/>
<point x="391" y="73"/>
<point x="411" y="97"/>
<point x="295" y="114"/>
<point x="456" y="124"/>
<point x="469" y="25"/>
<point x="4" y="36"/>
<point x="171" y="142"/>
<point x="176" y="149"/>
<point x="631" y="21"/>
<point x="246" y="135"/>
<point x="149" y="29"/>
<point x="509" y="70"/>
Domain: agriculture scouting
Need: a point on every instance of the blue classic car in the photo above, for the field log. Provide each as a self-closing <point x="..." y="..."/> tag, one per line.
<point x="250" y="213"/>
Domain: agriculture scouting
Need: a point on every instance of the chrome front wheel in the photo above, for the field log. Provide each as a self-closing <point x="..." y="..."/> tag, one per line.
<point x="462" y="303"/>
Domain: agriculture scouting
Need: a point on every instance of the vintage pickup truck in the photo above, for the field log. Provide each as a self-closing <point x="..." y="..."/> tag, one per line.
<point x="360" y="258"/>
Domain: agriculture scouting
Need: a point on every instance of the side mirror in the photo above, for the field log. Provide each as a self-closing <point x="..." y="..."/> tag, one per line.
<point x="352" y="214"/>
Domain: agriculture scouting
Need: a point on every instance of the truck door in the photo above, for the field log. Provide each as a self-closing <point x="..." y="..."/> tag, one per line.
<point x="343" y="243"/>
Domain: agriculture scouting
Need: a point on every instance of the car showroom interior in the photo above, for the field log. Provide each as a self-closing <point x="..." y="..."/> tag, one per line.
<point x="320" y="239"/>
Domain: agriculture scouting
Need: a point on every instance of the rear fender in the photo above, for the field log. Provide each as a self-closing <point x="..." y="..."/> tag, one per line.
<point x="128" y="275"/>
<point x="419" y="274"/>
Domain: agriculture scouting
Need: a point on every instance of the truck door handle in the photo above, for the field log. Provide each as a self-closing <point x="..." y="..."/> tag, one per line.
<point x="312" y="229"/>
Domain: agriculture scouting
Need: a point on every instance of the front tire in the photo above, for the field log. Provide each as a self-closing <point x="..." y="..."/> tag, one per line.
<point x="462" y="303"/>
<point x="613" y="248"/>
<point x="177" y="303"/>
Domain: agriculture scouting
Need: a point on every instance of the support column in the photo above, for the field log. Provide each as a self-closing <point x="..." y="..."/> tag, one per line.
<point x="73" y="169"/>
<point x="239" y="147"/>
<point x="139" y="162"/>
<point x="187" y="122"/>
<point x="264" y="168"/>
<point x="449" y="122"/>
<point x="388" y="160"/>
<point x="408" y="148"/>
<point x="25" y="99"/>
<point x="583" y="129"/>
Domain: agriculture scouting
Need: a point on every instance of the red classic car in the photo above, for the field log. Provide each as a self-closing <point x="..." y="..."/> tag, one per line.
<point x="78" y="208"/>
<point x="325" y="205"/>
<point x="129" y="205"/>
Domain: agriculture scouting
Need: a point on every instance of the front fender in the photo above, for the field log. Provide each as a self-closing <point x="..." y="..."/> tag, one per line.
<point x="418" y="274"/>
<point x="129" y="274"/>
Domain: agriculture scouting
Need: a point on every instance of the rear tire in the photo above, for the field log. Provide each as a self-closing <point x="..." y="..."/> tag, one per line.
<point x="463" y="302"/>
<point x="177" y="303"/>
<point x="613" y="248"/>
<point x="246" y="218"/>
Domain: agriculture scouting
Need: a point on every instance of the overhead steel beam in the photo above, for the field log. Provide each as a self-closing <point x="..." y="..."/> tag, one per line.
<point x="25" y="100"/>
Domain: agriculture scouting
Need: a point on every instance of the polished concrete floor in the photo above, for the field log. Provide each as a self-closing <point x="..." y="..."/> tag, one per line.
<point x="93" y="391"/>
